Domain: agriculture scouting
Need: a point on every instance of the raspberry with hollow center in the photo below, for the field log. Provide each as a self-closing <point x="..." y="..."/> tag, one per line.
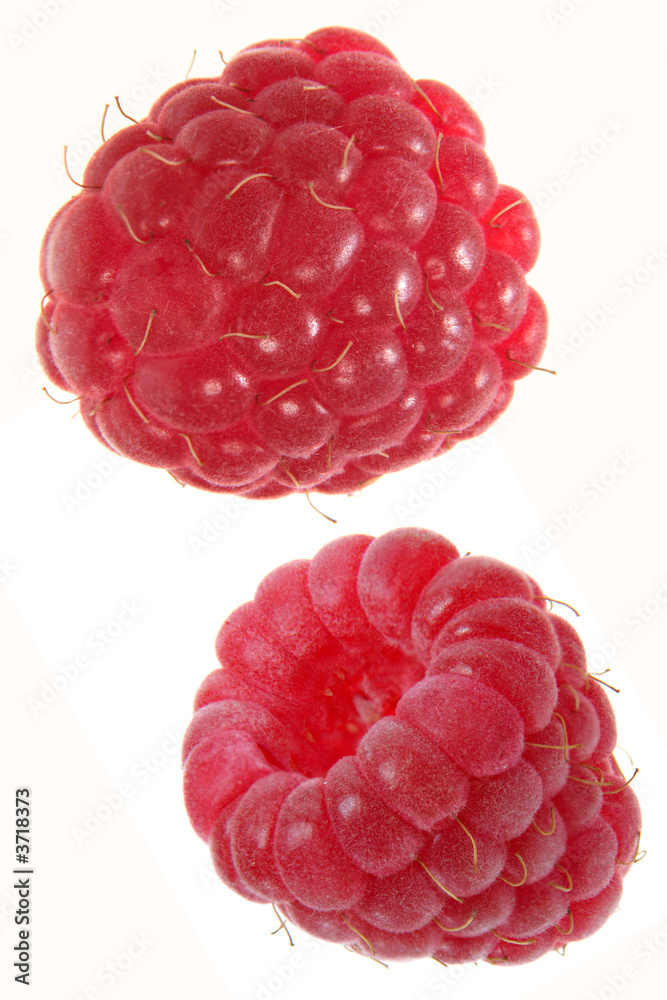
<point x="404" y="752"/>
<point x="299" y="275"/>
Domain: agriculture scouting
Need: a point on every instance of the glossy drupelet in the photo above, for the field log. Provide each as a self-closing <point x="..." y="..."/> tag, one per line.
<point x="404" y="752"/>
<point x="301" y="274"/>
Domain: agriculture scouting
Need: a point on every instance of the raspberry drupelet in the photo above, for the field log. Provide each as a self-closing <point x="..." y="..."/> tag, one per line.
<point x="301" y="274"/>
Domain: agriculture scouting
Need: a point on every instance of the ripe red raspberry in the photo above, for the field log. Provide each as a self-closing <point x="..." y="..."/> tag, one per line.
<point x="300" y="274"/>
<point x="404" y="752"/>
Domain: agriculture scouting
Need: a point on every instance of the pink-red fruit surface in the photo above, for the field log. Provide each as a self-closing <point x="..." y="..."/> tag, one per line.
<point x="300" y="274"/>
<point x="403" y="751"/>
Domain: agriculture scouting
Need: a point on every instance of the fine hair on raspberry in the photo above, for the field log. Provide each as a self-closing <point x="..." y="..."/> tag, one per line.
<point x="403" y="751"/>
<point x="301" y="274"/>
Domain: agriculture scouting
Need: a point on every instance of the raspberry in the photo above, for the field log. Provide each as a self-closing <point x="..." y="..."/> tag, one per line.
<point x="404" y="753"/>
<point x="301" y="274"/>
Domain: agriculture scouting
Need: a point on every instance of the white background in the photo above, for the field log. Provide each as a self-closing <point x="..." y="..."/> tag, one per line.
<point x="547" y="78"/>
